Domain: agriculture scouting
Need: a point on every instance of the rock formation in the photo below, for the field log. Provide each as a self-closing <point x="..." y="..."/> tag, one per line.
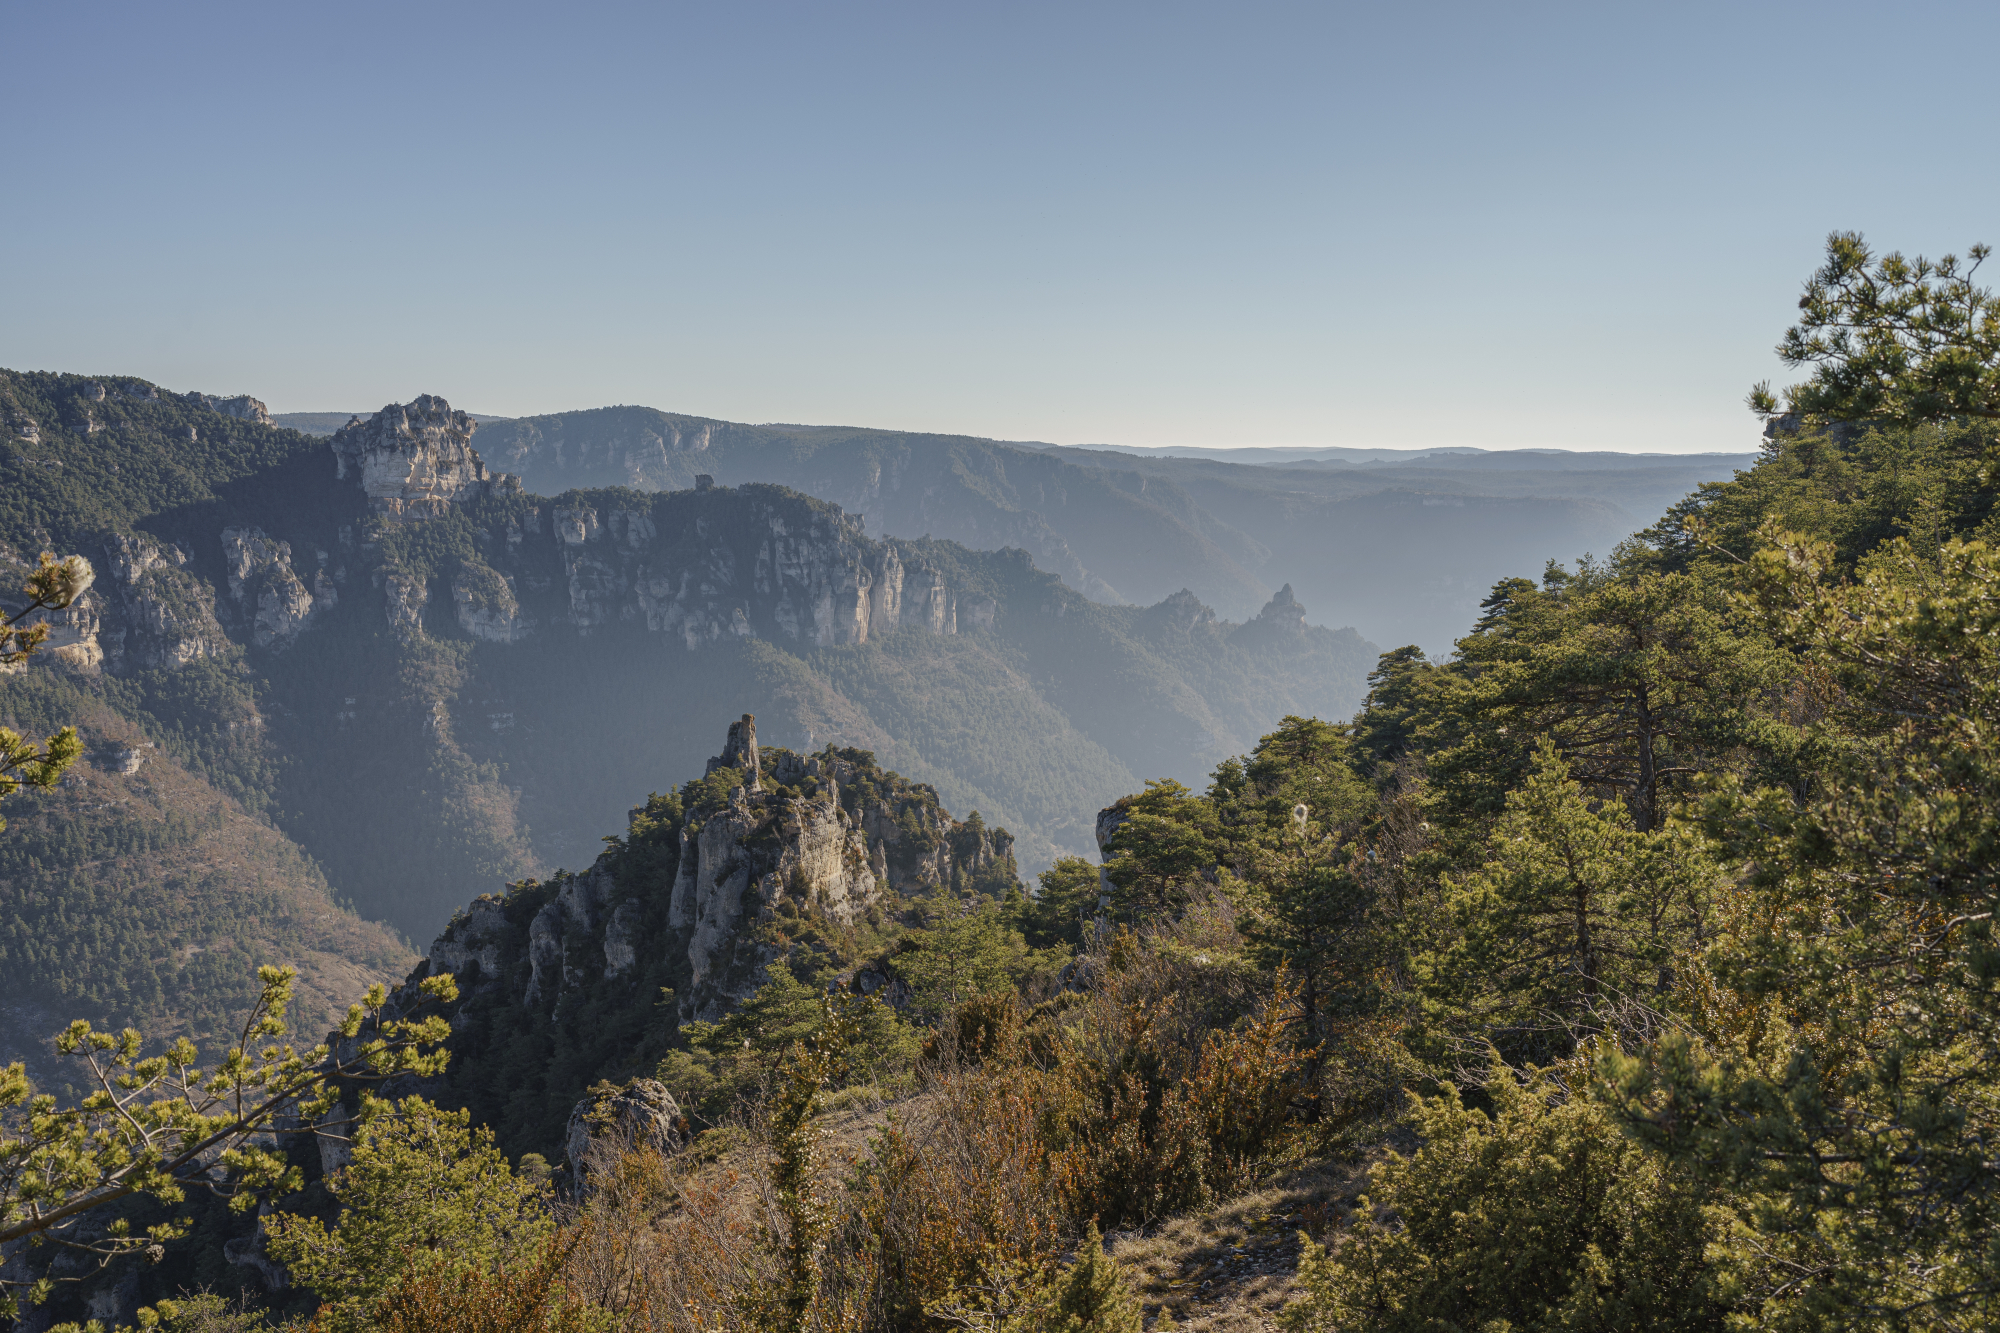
<point x="828" y="835"/>
<point x="1281" y="624"/>
<point x="697" y="566"/>
<point x="243" y="407"/>
<point x="416" y="461"/>
<point x="487" y="607"/>
<point x="73" y="640"/>
<point x="157" y="612"/>
<point x="608" y="1123"/>
<point x="269" y="593"/>
<point x="740" y="752"/>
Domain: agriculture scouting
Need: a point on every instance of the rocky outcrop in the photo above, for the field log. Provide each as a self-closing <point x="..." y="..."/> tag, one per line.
<point x="1179" y="615"/>
<point x="826" y="837"/>
<point x="145" y="609"/>
<point x="73" y="642"/>
<point x="415" y="460"/>
<point x="740" y="752"/>
<point x="756" y="562"/>
<point x="268" y="593"/>
<point x="608" y="1124"/>
<point x="1108" y="821"/>
<point x="248" y="1252"/>
<point x="644" y="450"/>
<point x="404" y="596"/>
<point x="473" y="939"/>
<point x="486" y="606"/>
<point x="1281" y="624"/>
<point x="158" y="613"/>
<point x="699" y="566"/>
<point x="243" y="407"/>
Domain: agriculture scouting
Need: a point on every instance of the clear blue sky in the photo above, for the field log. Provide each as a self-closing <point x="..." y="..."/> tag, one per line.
<point x="1411" y="224"/>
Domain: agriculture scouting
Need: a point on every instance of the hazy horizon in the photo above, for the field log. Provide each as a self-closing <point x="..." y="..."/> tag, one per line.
<point x="1275" y="225"/>
<point x="279" y="412"/>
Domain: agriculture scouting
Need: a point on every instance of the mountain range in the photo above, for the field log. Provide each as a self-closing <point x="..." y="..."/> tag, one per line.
<point x="333" y="681"/>
<point x="1400" y="544"/>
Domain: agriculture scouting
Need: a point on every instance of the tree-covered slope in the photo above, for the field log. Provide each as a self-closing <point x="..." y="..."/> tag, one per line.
<point x="80" y="455"/>
<point x="149" y="897"/>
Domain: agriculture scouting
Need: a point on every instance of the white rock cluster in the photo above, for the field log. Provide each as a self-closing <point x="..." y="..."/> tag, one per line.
<point x="415" y="460"/>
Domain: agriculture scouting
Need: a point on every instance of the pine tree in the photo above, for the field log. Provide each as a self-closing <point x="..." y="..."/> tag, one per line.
<point x="1093" y="1296"/>
<point x="1574" y="914"/>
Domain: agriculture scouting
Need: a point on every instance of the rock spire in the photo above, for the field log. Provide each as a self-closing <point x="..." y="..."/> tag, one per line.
<point x="740" y="751"/>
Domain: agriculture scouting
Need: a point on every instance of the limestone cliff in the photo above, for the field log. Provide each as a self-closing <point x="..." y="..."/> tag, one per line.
<point x="439" y="683"/>
<point x="271" y="597"/>
<point x="417" y="460"/>
<point x="695" y="891"/>
<point x="695" y="566"/>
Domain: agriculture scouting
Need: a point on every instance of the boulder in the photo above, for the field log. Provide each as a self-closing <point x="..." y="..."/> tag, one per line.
<point x="612" y="1121"/>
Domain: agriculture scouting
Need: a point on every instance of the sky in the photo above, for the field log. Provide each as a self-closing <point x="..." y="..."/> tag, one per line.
<point x="1571" y="226"/>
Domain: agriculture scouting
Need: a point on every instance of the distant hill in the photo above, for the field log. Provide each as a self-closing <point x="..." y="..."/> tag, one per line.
<point x="1400" y="544"/>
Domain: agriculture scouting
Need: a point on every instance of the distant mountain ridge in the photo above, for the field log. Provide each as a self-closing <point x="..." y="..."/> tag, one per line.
<point x="1402" y="547"/>
<point x="326" y="423"/>
<point x="1291" y="455"/>
<point x="432" y="681"/>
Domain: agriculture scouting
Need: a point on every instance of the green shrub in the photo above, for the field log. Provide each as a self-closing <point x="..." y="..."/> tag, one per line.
<point x="423" y="1188"/>
<point x="1542" y="1216"/>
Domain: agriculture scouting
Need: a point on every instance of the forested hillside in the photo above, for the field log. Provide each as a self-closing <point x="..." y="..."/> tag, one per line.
<point x="150" y="896"/>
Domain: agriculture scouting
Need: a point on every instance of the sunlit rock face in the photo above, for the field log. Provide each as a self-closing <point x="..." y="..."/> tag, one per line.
<point x="760" y="561"/>
<point x="157" y="613"/>
<point x="415" y="460"/>
<point x="243" y="407"/>
<point x="266" y="589"/>
<point x="699" y="566"/>
<point x="826" y="835"/>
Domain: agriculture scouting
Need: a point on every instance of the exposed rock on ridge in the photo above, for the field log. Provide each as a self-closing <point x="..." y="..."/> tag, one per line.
<point x="270" y="594"/>
<point x="157" y="613"/>
<point x="607" y="1124"/>
<point x="700" y="566"/>
<point x="243" y="407"/>
<point x="827" y="835"/>
<point x="417" y="460"/>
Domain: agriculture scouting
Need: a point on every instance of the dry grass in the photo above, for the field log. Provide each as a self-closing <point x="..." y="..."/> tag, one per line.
<point x="1231" y="1269"/>
<point x="1228" y="1269"/>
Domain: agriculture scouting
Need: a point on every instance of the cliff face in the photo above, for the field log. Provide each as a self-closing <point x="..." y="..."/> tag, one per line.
<point x="1112" y="539"/>
<point x="697" y="895"/>
<point x="416" y="461"/>
<point x="693" y="567"/>
<point x="759" y="562"/>
<point x="145" y="610"/>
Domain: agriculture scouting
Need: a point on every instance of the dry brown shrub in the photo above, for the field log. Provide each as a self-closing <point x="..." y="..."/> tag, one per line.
<point x="444" y="1298"/>
<point x="1168" y="1075"/>
<point x="674" y="1237"/>
<point x="965" y="1180"/>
